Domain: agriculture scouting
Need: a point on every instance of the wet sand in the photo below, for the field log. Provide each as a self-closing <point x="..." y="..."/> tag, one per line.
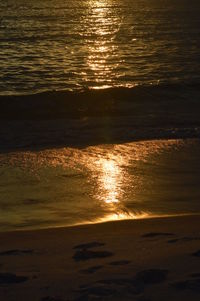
<point x="70" y="186"/>
<point x="142" y="260"/>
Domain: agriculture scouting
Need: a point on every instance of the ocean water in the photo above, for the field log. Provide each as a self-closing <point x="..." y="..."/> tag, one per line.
<point x="99" y="111"/>
<point x="58" y="45"/>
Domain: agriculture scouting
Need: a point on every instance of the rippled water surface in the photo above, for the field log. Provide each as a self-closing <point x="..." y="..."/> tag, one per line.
<point x="65" y="44"/>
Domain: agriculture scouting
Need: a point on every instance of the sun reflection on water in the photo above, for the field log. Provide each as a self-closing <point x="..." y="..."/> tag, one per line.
<point x="96" y="184"/>
<point x="100" y="33"/>
<point x="122" y="216"/>
<point x="109" y="180"/>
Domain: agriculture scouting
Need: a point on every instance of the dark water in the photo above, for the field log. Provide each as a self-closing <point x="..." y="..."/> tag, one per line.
<point x="64" y="55"/>
<point x="99" y="111"/>
<point x="117" y="115"/>
<point x="50" y="45"/>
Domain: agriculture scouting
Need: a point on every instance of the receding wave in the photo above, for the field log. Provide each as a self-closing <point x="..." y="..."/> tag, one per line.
<point x="63" y="118"/>
<point x="151" y="99"/>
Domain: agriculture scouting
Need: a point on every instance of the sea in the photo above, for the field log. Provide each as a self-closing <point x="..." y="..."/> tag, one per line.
<point x="100" y="106"/>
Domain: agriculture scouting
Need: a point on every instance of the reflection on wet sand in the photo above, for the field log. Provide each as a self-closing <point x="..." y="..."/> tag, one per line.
<point x="100" y="183"/>
<point x="109" y="181"/>
<point x="110" y="185"/>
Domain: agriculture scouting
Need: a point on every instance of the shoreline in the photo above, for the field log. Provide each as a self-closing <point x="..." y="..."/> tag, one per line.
<point x="146" y="259"/>
<point x="88" y="224"/>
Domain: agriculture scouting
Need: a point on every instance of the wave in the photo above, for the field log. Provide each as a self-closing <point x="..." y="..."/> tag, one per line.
<point x="114" y="115"/>
<point x="102" y="102"/>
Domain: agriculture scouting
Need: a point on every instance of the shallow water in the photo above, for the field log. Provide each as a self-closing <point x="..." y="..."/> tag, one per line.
<point x="68" y="186"/>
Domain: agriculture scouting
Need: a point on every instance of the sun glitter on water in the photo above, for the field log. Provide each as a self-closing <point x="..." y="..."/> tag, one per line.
<point x="102" y="51"/>
<point x="109" y="179"/>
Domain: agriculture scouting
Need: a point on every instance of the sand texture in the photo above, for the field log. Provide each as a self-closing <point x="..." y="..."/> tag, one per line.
<point x="141" y="260"/>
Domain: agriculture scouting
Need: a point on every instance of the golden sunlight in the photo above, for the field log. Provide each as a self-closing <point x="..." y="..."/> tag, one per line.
<point x="100" y="35"/>
<point x="109" y="181"/>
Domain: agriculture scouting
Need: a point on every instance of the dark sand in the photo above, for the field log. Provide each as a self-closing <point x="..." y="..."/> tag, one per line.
<point x="143" y="260"/>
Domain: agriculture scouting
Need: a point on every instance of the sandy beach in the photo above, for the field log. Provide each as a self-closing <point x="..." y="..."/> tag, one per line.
<point x="99" y="150"/>
<point x="143" y="260"/>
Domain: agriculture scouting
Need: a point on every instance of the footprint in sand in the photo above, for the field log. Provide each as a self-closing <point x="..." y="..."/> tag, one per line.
<point x="151" y="276"/>
<point x="196" y="254"/>
<point x="195" y="275"/>
<point x="90" y="245"/>
<point x="172" y="241"/>
<point x="190" y="284"/>
<point x="120" y="262"/>
<point x="92" y="270"/>
<point x="51" y="299"/>
<point x="16" y="252"/>
<point x="97" y="291"/>
<point x="183" y="239"/>
<point x="117" y="287"/>
<point x="9" y="278"/>
<point x="84" y="253"/>
<point x="156" y="234"/>
<point x="146" y="277"/>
